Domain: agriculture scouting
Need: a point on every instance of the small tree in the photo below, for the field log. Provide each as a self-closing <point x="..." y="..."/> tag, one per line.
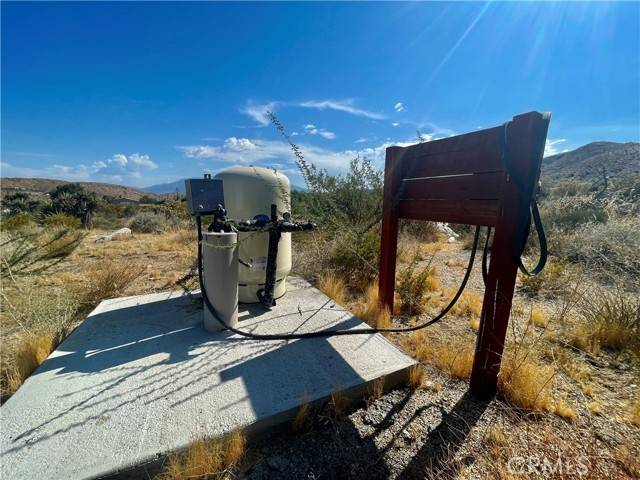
<point x="74" y="200"/>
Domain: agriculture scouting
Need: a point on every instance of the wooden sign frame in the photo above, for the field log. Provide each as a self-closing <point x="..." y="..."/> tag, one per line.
<point x="485" y="178"/>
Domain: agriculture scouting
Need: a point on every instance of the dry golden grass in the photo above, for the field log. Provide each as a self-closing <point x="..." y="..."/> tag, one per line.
<point x="495" y="440"/>
<point x="110" y="280"/>
<point x="415" y="377"/>
<point x="206" y="459"/>
<point x="369" y="309"/>
<point x="565" y="411"/>
<point x="634" y="413"/>
<point x="468" y="305"/>
<point x="539" y="317"/>
<point x="525" y="383"/>
<point x="455" y="358"/>
<point x="302" y="421"/>
<point x="595" y="407"/>
<point x="474" y="323"/>
<point x="31" y="351"/>
<point x="376" y="389"/>
<point x="339" y="404"/>
<point x="333" y="286"/>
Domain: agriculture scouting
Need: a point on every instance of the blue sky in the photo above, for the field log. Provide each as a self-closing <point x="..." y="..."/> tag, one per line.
<point x="148" y="93"/>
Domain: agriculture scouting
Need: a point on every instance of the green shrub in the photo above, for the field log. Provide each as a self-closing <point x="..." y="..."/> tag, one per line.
<point x="413" y="285"/>
<point x="62" y="220"/>
<point x="149" y="222"/>
<point x="20" y="221"/>
<point x="355" y="258"/>
<point x="550" y="280"/>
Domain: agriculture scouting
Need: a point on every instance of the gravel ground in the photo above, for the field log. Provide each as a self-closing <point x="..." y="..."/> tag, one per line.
<point x="439" y="431"/>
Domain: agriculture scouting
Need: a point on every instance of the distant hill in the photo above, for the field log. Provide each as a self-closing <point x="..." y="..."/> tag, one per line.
<point x="41" y="186"/>
<point x="163" y="188"/>
<point x="585" y="163"/>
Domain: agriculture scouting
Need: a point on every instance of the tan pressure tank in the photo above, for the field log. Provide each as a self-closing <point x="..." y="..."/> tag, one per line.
<point x="248" y="192"/>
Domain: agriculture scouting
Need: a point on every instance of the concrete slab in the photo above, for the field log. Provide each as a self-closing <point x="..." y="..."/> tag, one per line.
<point x="141" y="378"/>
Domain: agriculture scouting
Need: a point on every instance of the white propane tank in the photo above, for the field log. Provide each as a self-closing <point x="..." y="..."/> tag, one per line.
<point x="220" y="272"/>
<point x="250" y="191"/>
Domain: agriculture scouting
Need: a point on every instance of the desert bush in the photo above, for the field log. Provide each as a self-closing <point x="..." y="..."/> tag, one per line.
<point x="355" y="258"/>
<point x="206" y="459"/>
<point x="614" y="246"/>
<point x="149" y="222"/>
<point x="550" y="280"/>
<point x="566" y="213"/>
<point x="26" y="253"/>
<point x="415" y="377"/>
<point x="61" y="220"/>
<point x="420" y="230"/>
<point x="413" y="284"/>
<point x="569" y="188"/>
<point x="17" y="222"/>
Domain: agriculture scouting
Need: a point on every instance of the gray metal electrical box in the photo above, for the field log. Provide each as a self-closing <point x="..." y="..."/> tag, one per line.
<point x="203" y="194"/>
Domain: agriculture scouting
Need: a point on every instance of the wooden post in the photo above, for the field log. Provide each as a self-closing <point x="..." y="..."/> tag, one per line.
<point x="523" y="157"/>
<point x="389" y="237"/>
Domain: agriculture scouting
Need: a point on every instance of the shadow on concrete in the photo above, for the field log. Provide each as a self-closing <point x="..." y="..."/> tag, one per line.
<point x="159" y="351"/>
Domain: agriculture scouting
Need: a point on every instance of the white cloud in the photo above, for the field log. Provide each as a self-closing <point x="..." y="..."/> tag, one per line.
<point x="398" y="107"/>
<point x="269" y="153"/>
<point x="258" y="111"/>
<point x="361" y="140"/>
<point x="551" y="147"/>
<point x="395" y="124"/>
<point x="119" y="168"/>
<point x="346" y="106"/>
<point x="313" y="130"/>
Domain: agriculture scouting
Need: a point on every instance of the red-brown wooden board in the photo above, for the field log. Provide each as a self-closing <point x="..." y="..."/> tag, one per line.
<point x="462" y="179"/>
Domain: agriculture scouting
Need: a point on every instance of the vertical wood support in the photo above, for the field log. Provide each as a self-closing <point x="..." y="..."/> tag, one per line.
<point x="524" y="157"/>
<point x="389" y="237"/>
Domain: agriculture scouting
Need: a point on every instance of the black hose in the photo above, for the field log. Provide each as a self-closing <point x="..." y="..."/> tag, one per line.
<point x="329" y="332"/>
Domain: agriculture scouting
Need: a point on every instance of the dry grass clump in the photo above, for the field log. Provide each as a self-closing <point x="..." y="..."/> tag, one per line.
<point x="538" y="317"/>
<point x="370" y="310"/>
<point x="302" y="421"/>
<point x="455" y="358"/>
<point x="495" y="440"/>
<point x="109" y="281"/>
<point x="634" y="413"/>
<point x="38" y="319"/>
<point x="338" y="405"/>
<point x="565" y="411"/>
<point x="206" y="459"/>
<point x="333" y="286"/>
<point x="468" y="305"/>
<point x="525" y="383"/>
<point x="474" y="323"/>
<point x="612" y="321"/>
<point x="415" y="378"/>
<point x="376" y="389"/>
<point x="31" y="351"/>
